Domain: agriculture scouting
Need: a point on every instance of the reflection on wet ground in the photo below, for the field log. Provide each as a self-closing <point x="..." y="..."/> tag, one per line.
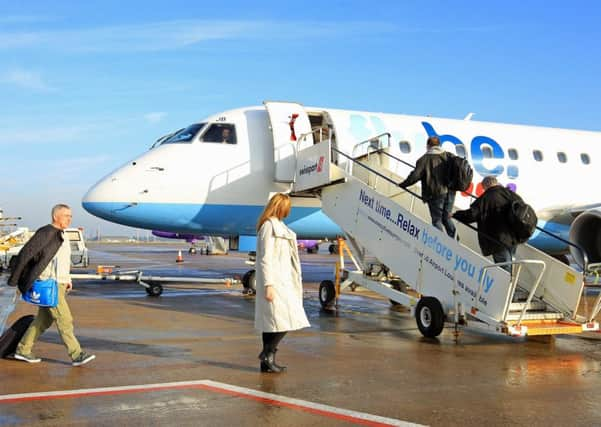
<point x="366" y="357"/>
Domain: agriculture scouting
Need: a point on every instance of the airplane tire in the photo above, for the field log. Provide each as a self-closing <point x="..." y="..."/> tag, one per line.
<point x="312" y="250"/>
<point x="429" y="317"/>
<point x="327" y="293"/>
<point x="333" y="249"/>
<point x="192" y="251"/>
<point x="249" y="282"/>
<point x="155" y="290"/>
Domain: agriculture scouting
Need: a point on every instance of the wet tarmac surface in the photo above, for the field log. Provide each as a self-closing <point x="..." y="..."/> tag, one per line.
<point x="365" y="358"/>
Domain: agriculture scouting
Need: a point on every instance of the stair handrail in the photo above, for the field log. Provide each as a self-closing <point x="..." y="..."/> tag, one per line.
<point x="585" y="258"/>
<point x="303" y="136"/>
<point x="514" y="284"/>
<point x="373" y="139"/>
<point x="390" y="180"/>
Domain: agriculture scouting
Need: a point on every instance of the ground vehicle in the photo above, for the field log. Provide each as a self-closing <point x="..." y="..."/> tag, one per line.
<point x="79" y="251"/>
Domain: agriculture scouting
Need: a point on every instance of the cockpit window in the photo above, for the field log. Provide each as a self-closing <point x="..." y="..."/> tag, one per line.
<point x="184" y="135"/>
<point x="164" y="138"/>
<point x="221" y="133"/>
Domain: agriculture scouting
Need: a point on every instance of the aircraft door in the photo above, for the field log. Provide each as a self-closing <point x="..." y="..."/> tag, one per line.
<point x="291" y="130"/>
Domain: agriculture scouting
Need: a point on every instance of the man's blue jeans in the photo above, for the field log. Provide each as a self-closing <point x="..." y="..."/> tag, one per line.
<point x="504" y="255"/>
<point x="440" y="211"/>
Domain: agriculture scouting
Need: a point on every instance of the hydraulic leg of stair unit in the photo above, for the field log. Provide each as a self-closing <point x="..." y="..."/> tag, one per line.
<point x="594" y="270"/>
<point x="448" y="280"/>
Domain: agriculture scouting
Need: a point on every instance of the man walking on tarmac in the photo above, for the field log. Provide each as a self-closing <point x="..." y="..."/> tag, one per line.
<point x="48" y="254"/>
<point x="432" y="170"/>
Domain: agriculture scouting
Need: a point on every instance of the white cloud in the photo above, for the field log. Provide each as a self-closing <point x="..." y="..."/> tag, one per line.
<point x="155" y="117"/>
<point x="43" y="136"/>
<point x="25" y="79"/>
<point x="177" y="34"/>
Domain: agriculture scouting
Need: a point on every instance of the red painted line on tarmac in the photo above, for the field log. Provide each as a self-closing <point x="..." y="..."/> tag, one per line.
<point x="297" y="406"/>
<point x="267" y="398"/>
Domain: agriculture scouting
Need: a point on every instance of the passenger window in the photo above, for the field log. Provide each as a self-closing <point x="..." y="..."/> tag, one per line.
<point x="460" y="150"/>
<point x="220" y="133"/>
<point x="538" y="155"/>
<point x="585" y="158"/>
<point x="561" y="156"/>
<point x="513" y="153"/>
<point x="405" y="147"/>
<point x="486" y="152"/>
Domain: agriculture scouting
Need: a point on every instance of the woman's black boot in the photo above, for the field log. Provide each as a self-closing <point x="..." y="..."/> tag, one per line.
<point x="268" y="363"/>
<point x="282" y="368"/>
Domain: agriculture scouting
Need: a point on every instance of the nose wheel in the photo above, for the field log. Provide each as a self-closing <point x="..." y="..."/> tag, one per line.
<point x="249" y="282"/>
<point x="154" y="289"/>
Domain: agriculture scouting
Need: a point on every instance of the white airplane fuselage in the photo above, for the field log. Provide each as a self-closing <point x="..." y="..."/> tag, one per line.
<point x="201" y="187"/>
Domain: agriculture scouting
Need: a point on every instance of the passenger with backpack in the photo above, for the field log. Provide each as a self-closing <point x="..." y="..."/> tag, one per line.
<point x="500" y="226"/>
<point x="433" y="171"/>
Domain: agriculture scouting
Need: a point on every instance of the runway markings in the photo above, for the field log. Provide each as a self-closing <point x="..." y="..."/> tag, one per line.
<point x="360" y="418"/>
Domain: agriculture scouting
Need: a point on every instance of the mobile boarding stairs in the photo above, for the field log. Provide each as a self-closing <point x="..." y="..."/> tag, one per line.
<point x="421" y="267"/>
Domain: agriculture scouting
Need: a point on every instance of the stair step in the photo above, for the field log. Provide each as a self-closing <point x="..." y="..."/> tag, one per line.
<point x="534" y="305"/>
<point x="535" y="315"/>
<point x="552" y="328"/>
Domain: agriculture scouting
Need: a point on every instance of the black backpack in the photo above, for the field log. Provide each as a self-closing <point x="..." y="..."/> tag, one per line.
<point x="459" y="173"/>
<point x="522" y="219"/>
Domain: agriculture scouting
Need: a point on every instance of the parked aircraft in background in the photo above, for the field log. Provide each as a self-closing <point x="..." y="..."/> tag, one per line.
<point x="192" y="182"/>
<point x="190" y="238"/>
<point x="311" y="246"/>
<point x="211" y="245"/>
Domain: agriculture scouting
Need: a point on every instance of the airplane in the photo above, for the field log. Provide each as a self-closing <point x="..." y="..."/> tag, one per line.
<point x="191" y="182"/>
<point x="214" y="245"/>
<point x="311" y="246"/>
<point x="189" y="238"/>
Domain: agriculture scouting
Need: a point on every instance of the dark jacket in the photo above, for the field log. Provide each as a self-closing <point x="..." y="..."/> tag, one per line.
<point x="35" y="256"/>
<point x="431" y="169"/>
<point x="491" y="212"/>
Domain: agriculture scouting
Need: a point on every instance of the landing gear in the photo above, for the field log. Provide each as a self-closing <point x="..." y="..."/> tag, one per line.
<point x="312" y="250"/>
<point x="154" y="290"/>
<point x="333" y="249"/>
<point x="429" y="316"/>
<point x="327" y="294"/>
<point x="249" y="282"/>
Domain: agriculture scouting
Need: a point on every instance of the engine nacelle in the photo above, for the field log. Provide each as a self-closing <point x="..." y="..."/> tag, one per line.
<point x="586" y="233"/>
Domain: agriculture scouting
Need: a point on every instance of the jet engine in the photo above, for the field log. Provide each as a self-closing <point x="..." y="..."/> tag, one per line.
<point x="586" y="233"/>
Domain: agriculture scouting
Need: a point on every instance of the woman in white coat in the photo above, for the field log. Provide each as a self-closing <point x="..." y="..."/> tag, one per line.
<point x="279" y="300"/>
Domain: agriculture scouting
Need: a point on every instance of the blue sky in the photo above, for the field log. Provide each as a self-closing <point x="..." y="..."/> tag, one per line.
<point x="86" y="86"/>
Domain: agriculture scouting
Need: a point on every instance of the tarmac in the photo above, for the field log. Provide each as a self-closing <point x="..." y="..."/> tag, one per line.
<point x="189" y="357"/>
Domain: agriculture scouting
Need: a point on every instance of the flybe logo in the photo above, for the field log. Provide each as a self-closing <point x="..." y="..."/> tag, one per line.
<point x="314" y="167"/>
<point x="478" y="146"/>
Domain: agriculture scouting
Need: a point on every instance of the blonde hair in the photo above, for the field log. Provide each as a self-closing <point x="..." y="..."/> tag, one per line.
<point x="278" y="206"/>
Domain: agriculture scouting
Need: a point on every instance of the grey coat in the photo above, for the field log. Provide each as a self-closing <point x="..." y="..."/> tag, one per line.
<point x="278" y="265"/>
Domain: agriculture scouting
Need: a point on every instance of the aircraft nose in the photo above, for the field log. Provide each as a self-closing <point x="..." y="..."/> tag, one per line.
<point x="101" y="199"/>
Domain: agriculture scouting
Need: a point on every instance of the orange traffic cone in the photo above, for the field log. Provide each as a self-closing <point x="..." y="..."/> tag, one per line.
<point x="179" y="258"/>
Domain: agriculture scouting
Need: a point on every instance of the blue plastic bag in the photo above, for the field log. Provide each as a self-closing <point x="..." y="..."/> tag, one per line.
<point x="43" y="293"/>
